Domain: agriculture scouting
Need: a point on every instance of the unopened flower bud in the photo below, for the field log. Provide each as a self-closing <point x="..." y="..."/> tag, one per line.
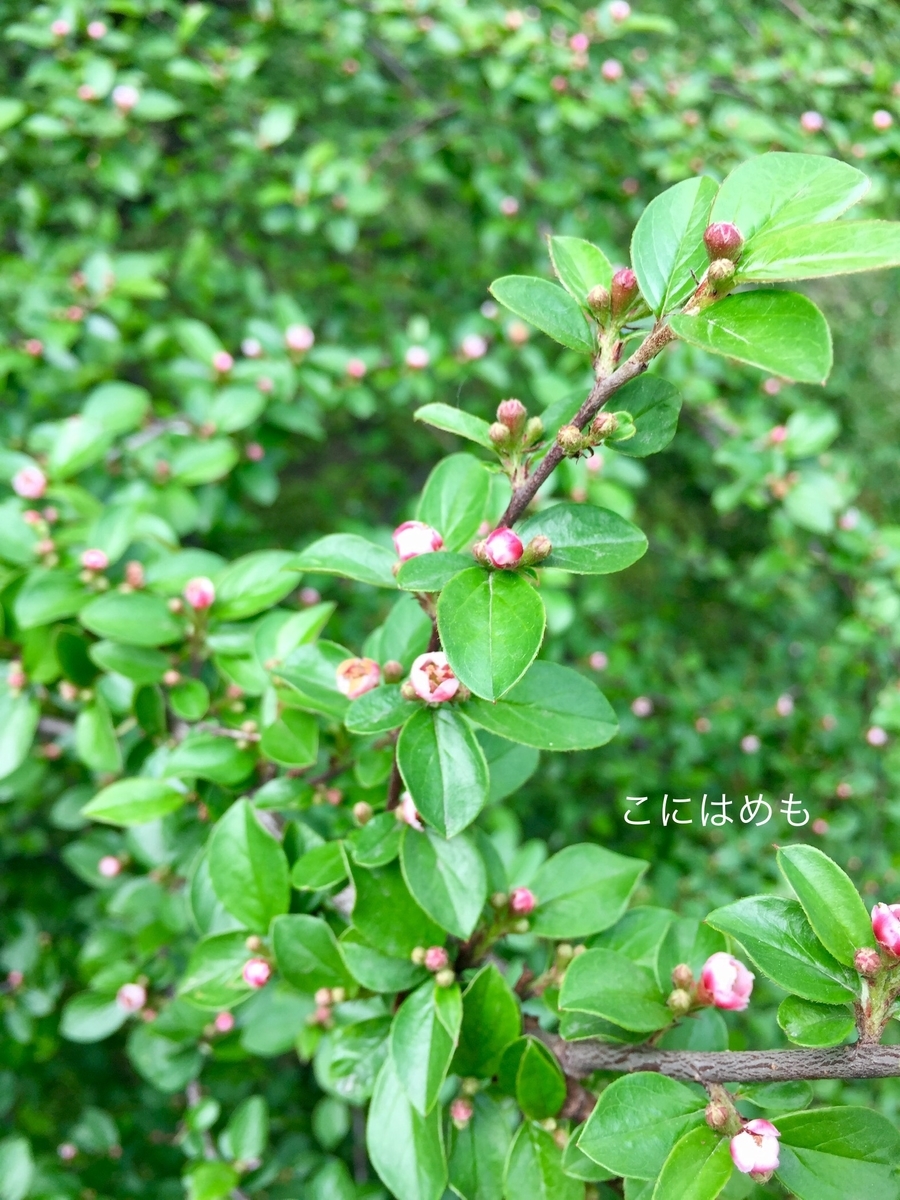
<point x="725" y="982"/>
<point x="570" y="439"/>
<point x="604" y="424"/>
<point x="598" y="300"/>
<point x="533" y="432"/>
<point x="200" y="592"/>
<point x="355" y="676"/>
<point x="445" y="978"/>
<point x="256" y="972"/>
<point x="679" y="1002"/>
<point x="539" y="548"/>
<point x="406" y="811"/>
<point x="67" y="1151"/>
<point x="682" y="976"/>
<point x="755" y="1150"/>
<point x="513" y="414"/>
<point x="625" y="427"/>
<point x="503" y="548"/>
<point x="723" y="240"/>
<point x="886" y="926"/>
<point x="134" y="574"/>
<point x="624" y="290"/>
<point x="407" y="691"/>
<point x="499" y="900"/>
<point x="30" y="483"/>
<point x="413" y="538"/>
<point x="867" y="962"/>
<point x="461" y="1112"/>
<point x="436" y="958"/>
<point x="322" y="995"/>
<point x="499" y="434"/>
<point x="125" y="97"/>
<point x="132" y="997"/>
<point x="362" y="812"/>
<point x="522" y="901"/>
<point x="418" y="956"/>
<point x="109" y="866"/>
<point x="719" y="1115"/>
<point x="721" y="274"/>
<point x="299" y="338"/>
<point x="94" y="560"/>
<point x="393" y="670"/>
<point x="224" y="1022"/>
<point x="222" y="362"/>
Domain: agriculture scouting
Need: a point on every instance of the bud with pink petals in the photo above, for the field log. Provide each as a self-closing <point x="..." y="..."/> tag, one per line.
<point x="522" y="901"/>
<point x="413" y="538"/>
<point x="886" y="926"/>
<point x="15" y="676"/>
<point x="417" y="358"/>
<point x="132" y="997"/>
<point x="436" y="958"/>
<point x="432" y="678"/>
<point x="356" y="368"/>
<point x="580" y="43"/>
<point x="67" y="1151"/>
<point x="473" y="346"/>
<point x="812" y="121"/>
<point x="222" y="362"/>
<point x="868" y="962"/>
<point x="754" y="1151"/>
<point x="30" y="483"/>
<point x="612" y="70"/>
<point x="513" y="414"/>
<point x="125" y="97"/>
<point x="256" y="972"/>
<point x="725" y="983"/>
<point x="60" y="28"/>
<point x="200" y="592"/>
<point x="94" y="560"/>
<point x="620" y="10"/>
<point x="882" y="119"/>
<point x="723" y="240"/>
<point x="299" y="338"/>
<point x="623" y="291"/>
<point x="224" y="1022"/>
<point x="461" y="1112"/>
<point x="406" y="812"/>
<point x="96" y="30"/>
<point x="355" y="676"/>
<point x="503" y="548"/>
<point x="109" y="866"/>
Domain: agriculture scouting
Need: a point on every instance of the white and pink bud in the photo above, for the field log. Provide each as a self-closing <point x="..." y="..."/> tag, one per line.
<point x="356" y="368"/>
<point x="436" y="958"/>
<point x="812" y="121"/>
<point x="503" y="548"/>
<point x="513" y="414"/>
<point x="598" y="661"/>
<point x="406" y="812"/>
<point x="473" y="346"/>
<point x="784" y="705"/>
<point x="754" y="1151"/>
<point x="265" y="385"/>
<point x="109" y="866"/>
<point x="612" y="70"/>
<point x="522" y="901"/>
<point x="200" y="592"/>
<point x="95" y="560"/>
<point x="750" y="744"/>
<point x="86" y="92"/>
<point x="67" y="1151"/>
<point x="355" y="676"/>
<point x="134" y="574"/>
<point x="886" y="926"/>
<point x="413" y="538"/>
<point x="34" y="347"/>
<point x="509" y="206"/>
<point x="16" y="678"/>
<point x="642" y="706"/>
<point x="620" y="10"/>
<point x="310" y="596"/>
<point x="254" y="451"/>
<point x="125" y="97"/>
<point x="417" y="358"/>
<point x="222" y="362"/>
<point x="432" y="678"/>
<point x="876" y="736"/>
<point x="623" y="290"/>
<point x="299" y="338"/>
<point x="725" y="983"/>
<point x="580" y="43"/>
<point x="60" y="28"/>
<point x="30" y="483"/>
<point x="15" y="979"/>
<point x="132" y="997"/>
<point x="96" y="30"/>
<point x="461" y="1112"/>
<point x="224" y="1022"/>
<point x="251" y="347"/>
<point x="256" y="972"/>
<point x="882" y="119"/>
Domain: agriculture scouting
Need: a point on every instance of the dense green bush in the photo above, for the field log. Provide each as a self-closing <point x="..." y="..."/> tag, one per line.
<point x="363" y="175"/>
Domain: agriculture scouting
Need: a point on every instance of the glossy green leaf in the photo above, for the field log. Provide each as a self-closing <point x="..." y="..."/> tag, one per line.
<point x="778" y="938"/>
<point x="349" y="555"/>
<point x="376" y="971"/>
<point x="810" y="1024"/>
<point x="307" y="953"/>
<point x="534" y="1167"/>
<point x="248" y="868"/>
<point x="404" y="1147"/>
<point x="378" y="842"/>
<point x="698" y="1167"/>
<point x="454" y="500"/>
<point x="780" y="332"/>
<point x="189" y="699"/>
<point x="19" y="716"/>
<point x="253" y="583"/>
<point x="839" y="1154"/>
<point x="530" y="1072"/>
<point x="509" y="765"/>
<point x="583" y="890"/>
<point x="135" y="801"/>
<point x="386" y="914"/>
<point x="207" y="756"/>
<point x="491" y="1021"/>
<point x="577" y="1164"/>
<point x="814" y="251"/>
<point x="455" y="420"/>
<point x="478" y="1152"/>
<point x="637" y="1121"/>
<point x="585" y="539"/>
<point x="551" y="708"/>
<point x="211" y="1180"/>
<point x="606" y="984"/>
<point x="247" y="1131"/>
<point x="96" y="743"/>
<point x="580" y="266"/>
<point x="311" y="673"/>
<point x="667" y="250"/>
<point x="431" y="572"/>
<point x="548" y="308"/>
<point x="403" y="636"/>
<point x="91" y="1017"/>
<point x="140" y="618"/>
<point x="323" y="867"/>
<point x="655" y="405"/>
<point x="47" y="596"/>
<point x="443" y="767"/>
<point x="832" y="904"/>
<point x="491" y="625"/>
<point x="379" y="710"/>
<point x="292" y="740"/>
<point x="141" y="664"/>
<point x="446" y="878"/>
<point x="212" y="978"/>
<point x="778" y="1097"/>
<point x="16" y="1161"/>
<point x="423" y="1038"/>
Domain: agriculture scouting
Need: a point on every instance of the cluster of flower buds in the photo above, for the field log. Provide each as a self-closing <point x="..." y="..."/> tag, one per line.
<point x="513" y="431"/>
<point x="436" y="960"/>
<point x="325" y="999"/>
<point x="724" y="983"/>
<point x="504" y="550"/>
<point x="606" y="427"/>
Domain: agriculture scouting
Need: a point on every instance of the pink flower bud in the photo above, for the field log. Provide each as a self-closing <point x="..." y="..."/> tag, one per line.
<point x="299" y="338"/>
<point x="473" y="346"/>
<point x="620" y="10"/>
<point x="642" y="706"/>
<point x="265" y="385"/>
<point x="522" y="901"/>
<point x="518" y="333"/>
<point x="86" y="92"/>
<point x="559" y="83"/>
<point x="222" y="362"/>
<point x="30" y="483"/>
<point x="32" y="517"/>
<point x="849" y="520"/>
<point x="96" y="30"/>
<point x="109" y="866"/>
<point x="461" y="1112"/>
<point x="251" y="348"/>
<point x="60" y="28"/>
<point x="224" y="1022"/>
<point x="322" y="995"/>
<point x="882" y="119"/>
<point x="580" y="43"/>
<point x="310" y="596"/>
<point x="417" y="357"/>
<point x="200" y="592"/>
<point x="623" y="291"/>
<point x="171" y="677"/>
<point x="355" y="676"/>
<point x="34" y="347"/>
<point x="867" y="962"/>
<point x="598" y="661"/>
<point x="723" y="240"/>
<point x="725" y="982"/>
<point x="356" y="368"/>
<point x="514" y="19"/>
<point x="876" y="736"/>
<point x="432" y="678"/>
<point x="132" y="997"/>
<point x="703" y="725"/>
<point x="844" y="790"/>
<point x="812" y="121"/>
<point x="125" y="97"/>
<point x="754" y="1151"/>
<point x="67" y="1151"/>
<point x="436" y="958"/>
<point x="784" y="705"/>
<point x="15" y="676"/>
<point x="611" y="70"/>
<point x="406" y="811"/>
<point x="886" y="926"/>
<point x="254" y="452"/>
<point x="750" y="744"/>
<point x="512" y="413"/>
<point x="15" y="979"/>
<point x="820" y="826"/>
<point x="256" y="972"/>
<point x="509" y="206"/>
<point x="503" y="548"/>
<point x="413" y="538"/>
<point x="94" y="560"/>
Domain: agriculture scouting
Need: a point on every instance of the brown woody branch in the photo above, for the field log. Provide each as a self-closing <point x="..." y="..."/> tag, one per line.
<point x="602" y="391"/>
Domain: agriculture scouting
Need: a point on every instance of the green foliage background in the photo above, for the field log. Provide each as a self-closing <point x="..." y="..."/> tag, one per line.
<point x="346" y="166"/>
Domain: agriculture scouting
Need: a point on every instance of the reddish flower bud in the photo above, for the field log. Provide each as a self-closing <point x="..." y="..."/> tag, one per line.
<point x="256" y="972"/>
<point x="406" y="811"/>
<point x="682" y="976"/>
<point x="436" y="958"/>
<point x="461" y="1112"/>
<point x="623" y="291"/>
<point x="604" y="424"/>
<point x="132" y="997"/>
<point x="754" y="1151"/>
<point x="94" y="560"/>
<point x="867" y="962"/>
<point x="299" y="338"/>
<point x="620" y="10"/>
<point x="725" y="982"/>
<point x="598" y="661"/>
<point x="355" y="676"/>
<point x="393" y="671"/>
<point x="222" y="362"/>
<point x="723" y="240"/>
<point x="886" y="926"/>
<point x="812" y="121"/>
<point x="612" y="70"/>
<point x="598" y="299"/>
<point x="513" y="414"/>
<point x="15" y="676"/>
<point x="30" y="483"/>
<point x="882" y="119"/>
<point x="432" y="678"/>
<point x="509" y="206"/>
<point x="60" y="28"/>
<point x="200" y="592"/>
<point x="413" y="538"/>
<point x="579" y="42"/>
<point x="503" y="548"/>
<point x="473" y="346"/>
<point x="34" y="347"/>
<point x="96" y="30"/>
<point x="356" y="368"/>
<point x="125" y="97"/>
<point x="109" y="866"/>
<point x="224" y="1022"/>
<point x="522" y="901"/>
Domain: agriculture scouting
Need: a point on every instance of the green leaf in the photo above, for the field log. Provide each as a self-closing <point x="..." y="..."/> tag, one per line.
<point x="580" y="266"/>
<point x="491" y="625"/>
<point x="446" y="878"/>
<point x="534" y="1167"/>
<point x="667" y="250"/>
<point x="832" y="904"/>
<point x="780" y="332"/>
<point x="167" y="1065"/>
<point x="491" y="1021"/>
<point x="47" y="596"/>
<point x="775" y="191"/>
<point x="387" y="915"/>
<point x="577" y="1164"/>
<point x="777" y="936"/>
<point x="404" y="1147"/>
<point x="19" y="716"/>
<point x="814" y="251"/>
<point x="606" y="984"/>
<point x="586" y="540"/>
<point x="455" y="420"/>
<point x="96" y="743"/>
<point x="531" y="1073"/>
<point x="431" y="572"/>
<point x="138" y="663"/>
<point x="189" y="699"/>
<point x="376" y="971"/>
<point x="78" y="443"/>
<point x="247" y="1131"/>
<point x="655" y="405"/>
<point x="379" y="711"/>
<point x="254" y="583"/>
<point x="810" y="1024"/>
<point x="423" y="1038"/>
<point x="583" y="890"/>
<point x="443" y="767"/>
<point x="404" y="635"/>
<point x="16" y="1162"/>
<point x="307" y="953"/>
<point x="117" y="406"/>
<point x="248" y="868"/>
<point x="91" y="1017"/>
<point x="211" y="1180"/>
<point x="311" y="673"/>
<point x="140" y="618"/>
<point x="349" y="555"/>
<point x="778" y="1097"/>
<point x="135" y="801"/>
<point x="697" y="1168"/>
<point x="194" y="462"/>
<point x="455" y="499"/>
<point x="510" y="766"/>
<point x="212" y="978"/>
<point x="478" y="1152"/>
<point x="378" y="842"/>
<point x="207" y="756"/>
<point x="293" y="740"/>
<point x="548" y="308"/>
<point x="323" y="867"/>
<point x="551" y="708"/>
<point x="637" y="1121"/>
<point x="839" y="1154"/>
